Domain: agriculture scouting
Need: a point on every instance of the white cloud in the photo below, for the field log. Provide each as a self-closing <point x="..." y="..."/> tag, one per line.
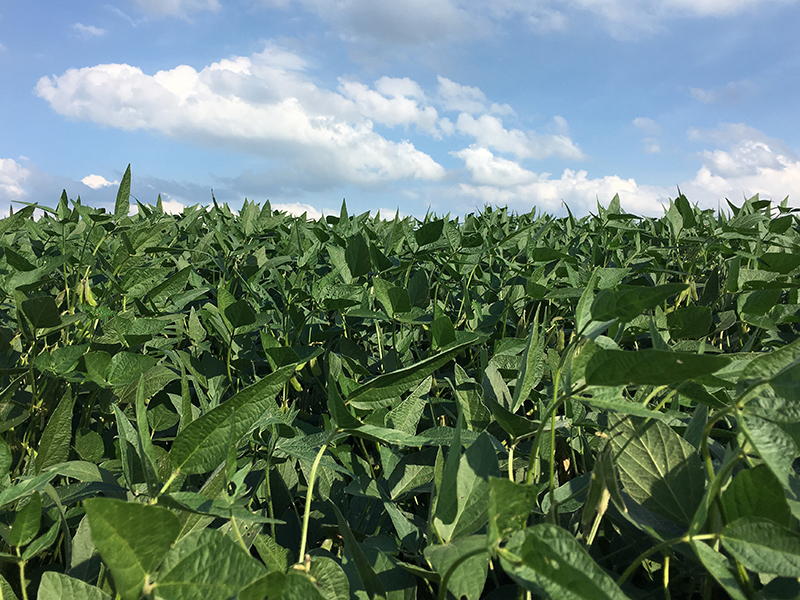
<point x="392" y="102"/>
<point x="264" y="105"/>
<point x="750" y="162"/>
<point x="647" y="126"/>
<point x="730" y="92"/>
<point x="499" y="181"/>
<point x="12" y="180"/>
<point x="97" y="181"/>
<point x="488" y="169"/>
<point x="88" y="31"/>
<point x="468" y="99"/>
<point x="489" y="132"/>
<point x="651" y="146"/>
<point x="175" y="8"/>
<point x="297" y="209"/>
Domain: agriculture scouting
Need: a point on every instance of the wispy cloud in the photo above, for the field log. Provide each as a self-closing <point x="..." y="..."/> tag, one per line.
<point x="175" y="8"/>
<point x="731" y="91"/>
<point x="88" y="31"/>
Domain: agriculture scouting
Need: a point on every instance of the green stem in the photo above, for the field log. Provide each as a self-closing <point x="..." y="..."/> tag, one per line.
<point x="309" y="494"/>
<point x="647" y="553"/>
<point x="22" y="583"/>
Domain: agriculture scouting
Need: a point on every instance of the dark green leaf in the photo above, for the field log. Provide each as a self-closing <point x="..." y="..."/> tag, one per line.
<point x="629" y="303"/>
<point x="122" y="205"/>
<point x="57" y="586"/>
<point x="42" y="312"/>
<point x="649" y="367"/>
<point x="469" y="576"/>
<point x="57" y="435"/>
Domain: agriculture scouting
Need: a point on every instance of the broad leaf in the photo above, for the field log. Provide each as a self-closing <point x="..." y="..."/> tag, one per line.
<point x="132" y="539"/>
<point x="763" y="546"/>
<point x="550" y="558"/>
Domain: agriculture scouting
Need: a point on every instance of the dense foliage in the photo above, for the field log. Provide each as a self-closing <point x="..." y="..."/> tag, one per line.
<point x="214" y="405"/>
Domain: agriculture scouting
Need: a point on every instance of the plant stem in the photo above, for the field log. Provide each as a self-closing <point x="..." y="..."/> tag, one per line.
<point x="309" y="494"/>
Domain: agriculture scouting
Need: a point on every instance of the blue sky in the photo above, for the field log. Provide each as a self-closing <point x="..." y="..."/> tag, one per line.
<point x="445" y="105"/>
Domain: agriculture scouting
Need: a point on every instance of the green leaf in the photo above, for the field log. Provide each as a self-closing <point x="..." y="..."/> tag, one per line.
<point x="329" y="578"/>
<point x="469" y="576"/>
<point x="127" y="367"/>
<point x="720" y="568"/>
<point x="532" y="366"/>
<point x="689" y="322"/>
<point x="42" y="312"/>
<point x="171" y="287"/>
<point x="372" y="584"/>
<point x="203" y="444"/>
<point x="763" y="546"/>
<point x="780" y="262"/>
<point x="357" y="256"/>
<point x="775" y="446"/>
<point x="387" y="387"/>
<point x="629" y="303"/>
<point x="429" y="233"/>
<point x="122" y="205"/>
<point x="443" y="332"/>
<point x="206" y="565"/>
<point x="273" y="555"/>
<point x="510" y="505"/>
<point x="5" y="589"/>
<point x="549" y="558"/>
<point x="756" y="493"/>
<point x="463" y="500"/>
<point x="649" y="367"/>
<point x="659" y="470"/>
<point x="406" y="415"/>
<point x="57" y="435"/>
<point x="132" y="539"/>
<point x="57" y="586"/>
<point x="240" y="314"/>
<point x="6" y="459"/>
<point x="26" y="522"/>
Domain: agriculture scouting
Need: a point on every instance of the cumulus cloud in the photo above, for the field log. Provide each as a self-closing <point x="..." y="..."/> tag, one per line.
<point x="264" y="104"/>
<point x="489" y="132"/>
<point x="97" y="181"/>
<point x="499" y="181"/>
<point x="647" y="126"/>
<point x="749" y="162"/>
<point x="174" y="8"/>
<point x="88" y="31"/>
<point x="455" y="97"/>
<point x="12" y="180"/>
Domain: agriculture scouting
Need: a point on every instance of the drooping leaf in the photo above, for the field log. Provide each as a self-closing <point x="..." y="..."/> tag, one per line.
<point x="510" y="506"/>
